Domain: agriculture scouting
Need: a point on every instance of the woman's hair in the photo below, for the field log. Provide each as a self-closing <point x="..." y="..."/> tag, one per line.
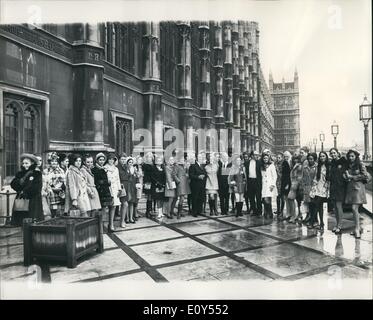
<point x="287" y="153"/>
<point x="73" y="157"/>
<point x="357" y="163"/>
<point x="85" y="157"/>
<point x="297" y="159"/>
<point x="262" y="164"/>
<point x="319" y="164"/>
<point x="313" y="155"/>
<point x="62" y="157"/>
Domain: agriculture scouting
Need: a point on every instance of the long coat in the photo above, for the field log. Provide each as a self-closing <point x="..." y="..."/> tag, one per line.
<point x="28" y="185"/>
<point x="183" y="186"/>
<point x="102" y="185"/>
<point x="337" y="182"/>
<point x="94" y="198"/>
<point x="223" y="174"/>
<point x="296" y="174"/>
<point x="128" y="180"/>
<point x="269" y="178"/>
<point x="195" y="170"/>
<point x="158" y="183"/>
<point x="57" y="179"/>
<point x="115" y="185"/>
<point x="285" y="178"/>
<point x="238" y="175"/>
<point x="212" y="184"/>
<point x="309" y="174"/>
<point x="278" y="166"/>
<point x="76" y="189"/>
<point x="170" y="171"/>
<point x="355" y="193"/>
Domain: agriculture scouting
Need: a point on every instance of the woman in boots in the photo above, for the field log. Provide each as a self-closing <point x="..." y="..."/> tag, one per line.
<point x="356" y="176"/>
<point x="295" y="186"/>
<point x="237" y="180"/>
<point x="212" y="185"/>
<point x="148" y="168"/>
<point x="94" y="199"/>
<point x="158" y="185"/>
<point x="285" y="184"/>
<point x="279" y="199"/>
<point x="183" y="187"/>
<point x="269" y="189"/>
<point x="103" y="187"/>
<point x="320" y="191"/>
<point x="338" y="166"/>
<point x="130" y="181"/>
<point x="170" y="192"/>
<point x="309" y="174"/>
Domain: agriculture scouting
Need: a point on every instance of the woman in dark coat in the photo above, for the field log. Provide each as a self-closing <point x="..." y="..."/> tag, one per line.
<point x="285" y="183"/>
<point x="183" y="187"/>
<point x="237" y="179"/>
<point x="148" y="167"/>
<point x="28" y="184"/>
<point x="129" y="180"/>
<point x="356" y="176"/>
<point x="337" y="192"/>
<point x="159" y="185"/>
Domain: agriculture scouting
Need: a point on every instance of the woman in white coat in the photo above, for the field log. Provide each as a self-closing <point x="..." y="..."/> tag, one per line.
<point x="269" y="189"/>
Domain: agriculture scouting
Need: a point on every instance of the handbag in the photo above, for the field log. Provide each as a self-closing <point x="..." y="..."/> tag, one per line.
<point x="147" y="185"/>
<point x="74" y="212"/>
<point x="21" y="205"/>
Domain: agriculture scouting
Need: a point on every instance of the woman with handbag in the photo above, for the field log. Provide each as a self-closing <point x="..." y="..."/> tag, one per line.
<point x="269" y="179"/>
<point x="57" y="179"/>
<point x="338" y="166"/>
<point x="295" y="188"/>
<point x="148" y="167"/>
<point x="28" y="184"/>
<point x="237" y="180"/>
<point x="170" y="191"/>
<point x="320" y="191"/>
<point x="183" y="187"/>
<point x="94" y="198"/>
<point x="129" y="183"/>
<point x="77" y="199"/>
<point x="356" y="176"/>
<point x="309" y="174"/>
<point x="123" y="197"/>
<point x="140" y="184"/>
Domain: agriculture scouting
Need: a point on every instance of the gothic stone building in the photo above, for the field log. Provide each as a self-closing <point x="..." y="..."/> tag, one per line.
<point x="87" y="87"/>
<point x="286" y="114"/>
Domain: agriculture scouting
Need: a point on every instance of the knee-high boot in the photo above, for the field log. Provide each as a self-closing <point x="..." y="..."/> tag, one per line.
<point x="211" y="206"/>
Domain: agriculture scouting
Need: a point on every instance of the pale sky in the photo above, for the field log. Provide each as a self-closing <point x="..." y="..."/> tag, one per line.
<point x="328" y="41"/>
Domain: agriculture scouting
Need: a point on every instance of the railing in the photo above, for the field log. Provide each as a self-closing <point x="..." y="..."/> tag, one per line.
<point x="7" y="196"/>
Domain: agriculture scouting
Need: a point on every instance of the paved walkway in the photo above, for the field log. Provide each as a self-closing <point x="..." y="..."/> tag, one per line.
<point x="208" y="249"/>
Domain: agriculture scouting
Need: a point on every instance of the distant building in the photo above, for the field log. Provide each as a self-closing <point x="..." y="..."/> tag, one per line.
<point x="286" y="114"/>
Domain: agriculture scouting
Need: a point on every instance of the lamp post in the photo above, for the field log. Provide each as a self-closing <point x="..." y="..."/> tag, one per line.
<point x="335" y="132"/>
<point x="314" y="143"/>
<point x="322" y="139"/>
<point x="365" y="112"/>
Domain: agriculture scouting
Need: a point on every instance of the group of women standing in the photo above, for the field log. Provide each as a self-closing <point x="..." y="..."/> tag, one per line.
<point x="83" y="185"/>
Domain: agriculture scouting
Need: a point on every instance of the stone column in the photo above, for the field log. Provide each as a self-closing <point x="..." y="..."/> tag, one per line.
<point x="185" y="84"/>
<point x="236" y="87"/>
<point x="153" y="119"/>
<point x="247" y="83"/>
<point x="241" y="67"/>
<point x="88" y="72"/>
<point x="228" y="80"/>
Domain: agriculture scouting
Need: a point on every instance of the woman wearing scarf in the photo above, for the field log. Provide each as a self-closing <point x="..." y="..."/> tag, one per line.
<point x="57" y="179"/>
<point x="337" y="186"/>
<point x="320" y="191"/>
<point x="103" y="187"/>
<point x="94" y="198"/>
<point x="295" y="185"/>
<point x="309" y="174"/>
<point x="356" y="176"/>
<point x="237" y="180"/>
<point x="76" y="187"/>
<point x="115" y="186"/>
<point x="285" y="184"/>
<point x="28" y="184"/>
<point x="269" y="178"/>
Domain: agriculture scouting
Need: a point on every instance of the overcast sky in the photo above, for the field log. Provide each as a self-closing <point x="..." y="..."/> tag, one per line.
<point x="328" y="41"/>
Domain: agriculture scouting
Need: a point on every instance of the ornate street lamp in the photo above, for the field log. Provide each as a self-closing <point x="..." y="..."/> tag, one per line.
<point x="335" y="132"/>
<point x="365" y="111"/>
<point x="322" y="139"/>
<point x="314" y="143"/>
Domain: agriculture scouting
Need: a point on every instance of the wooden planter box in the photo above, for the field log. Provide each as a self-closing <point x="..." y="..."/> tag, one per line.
<point x="62" y="239"/>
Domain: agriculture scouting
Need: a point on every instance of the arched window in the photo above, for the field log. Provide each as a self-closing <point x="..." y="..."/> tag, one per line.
<point x="123" y="136"/>
<point x="168" y="56"/>
<point x="29" y="129"/>
<point x="11" y="138"/>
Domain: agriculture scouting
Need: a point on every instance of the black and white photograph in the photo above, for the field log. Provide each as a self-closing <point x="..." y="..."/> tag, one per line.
<point x="186" y="150"/>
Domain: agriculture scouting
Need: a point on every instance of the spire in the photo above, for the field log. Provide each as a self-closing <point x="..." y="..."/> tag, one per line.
<point x="270" y="82"/>
<point x="295" y="73"/>
<point x="296" y="79"/>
